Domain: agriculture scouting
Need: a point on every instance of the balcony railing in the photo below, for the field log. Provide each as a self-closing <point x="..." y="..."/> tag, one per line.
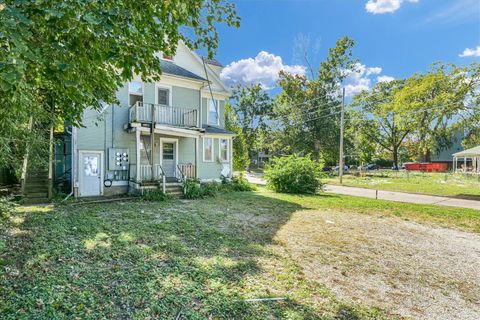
<point x="174" y="116"/>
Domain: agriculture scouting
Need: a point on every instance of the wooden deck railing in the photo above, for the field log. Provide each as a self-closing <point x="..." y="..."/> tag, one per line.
<point x="188" y="170"/>
<point x="174" y="116"/>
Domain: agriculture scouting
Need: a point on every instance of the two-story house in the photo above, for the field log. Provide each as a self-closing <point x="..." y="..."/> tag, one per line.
<point x="160" y="133"/>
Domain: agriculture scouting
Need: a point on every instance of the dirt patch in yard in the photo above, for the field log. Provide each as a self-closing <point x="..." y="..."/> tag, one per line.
<point x="412" y="269"/>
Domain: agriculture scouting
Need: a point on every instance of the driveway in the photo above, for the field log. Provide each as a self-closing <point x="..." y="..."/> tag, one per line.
<point x="386" y="195"/>
<point x="415" y="270"/>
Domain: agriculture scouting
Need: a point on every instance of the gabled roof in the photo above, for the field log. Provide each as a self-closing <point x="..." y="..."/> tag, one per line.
<point x="171" y="68"/>
<point x="213" y="62"/>
<point x="475" y="152"/>
<point x="210" y="73"/>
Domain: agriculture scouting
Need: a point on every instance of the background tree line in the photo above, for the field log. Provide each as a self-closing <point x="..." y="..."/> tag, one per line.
<point x="407" y="119"/>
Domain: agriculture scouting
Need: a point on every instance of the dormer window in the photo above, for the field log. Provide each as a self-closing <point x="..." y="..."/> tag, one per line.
<point x="166" y="57"/>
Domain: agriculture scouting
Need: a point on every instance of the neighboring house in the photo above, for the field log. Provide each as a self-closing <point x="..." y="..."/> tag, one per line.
<point x="445" y="156"/>
<point x="116" y="152"/>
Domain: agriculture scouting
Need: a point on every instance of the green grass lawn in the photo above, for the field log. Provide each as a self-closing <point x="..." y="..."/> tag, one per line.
<point x="202" y="258"/>
<point x="442" y="184"/>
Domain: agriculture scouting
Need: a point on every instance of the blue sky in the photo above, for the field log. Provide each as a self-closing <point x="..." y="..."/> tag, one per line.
<point x="399" y="37"/>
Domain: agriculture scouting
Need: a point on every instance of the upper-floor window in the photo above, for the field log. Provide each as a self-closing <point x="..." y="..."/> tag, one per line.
<point x="163" y="96"/>
<point x="135" y="92"/>
<point x="213" y="112"/>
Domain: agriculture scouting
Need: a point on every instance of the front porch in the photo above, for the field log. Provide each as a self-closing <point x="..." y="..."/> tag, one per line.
<point x="164" y="159"/>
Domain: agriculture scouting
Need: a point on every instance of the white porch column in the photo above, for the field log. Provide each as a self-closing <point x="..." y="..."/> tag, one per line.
<point x="137" y="149"/>
<point x="197" y="147"/>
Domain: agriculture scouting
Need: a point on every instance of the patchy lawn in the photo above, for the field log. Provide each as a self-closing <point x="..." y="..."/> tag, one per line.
<point x="440" y="184"/>
<point x="329" y="256"/>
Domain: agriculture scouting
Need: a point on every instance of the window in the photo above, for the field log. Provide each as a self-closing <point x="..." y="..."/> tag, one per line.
<point x="212" y="117"/>
<point x="135" y="92"/>
<point x="168" y="151"/>
<point x="223" y="152"/>
<point x="207" y="149"/>
<point x="166" y="57"/>
<point x="163" y="96"/>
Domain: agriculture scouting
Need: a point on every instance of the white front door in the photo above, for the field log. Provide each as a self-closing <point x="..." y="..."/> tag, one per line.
<point x="169" y="157"/>
<point x="91" y="173"/>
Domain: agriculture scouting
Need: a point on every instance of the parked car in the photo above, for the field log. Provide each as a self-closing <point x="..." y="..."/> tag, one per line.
<point x="371" y="166"/>
<point x="345" y="168"/>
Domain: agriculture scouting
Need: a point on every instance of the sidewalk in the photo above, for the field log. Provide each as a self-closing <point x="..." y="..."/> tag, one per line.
<point x="388" y="195"/>
<point x="404" y="197"/>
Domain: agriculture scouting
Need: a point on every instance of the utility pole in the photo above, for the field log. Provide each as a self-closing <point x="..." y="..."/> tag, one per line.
<point x="342" y="124"/>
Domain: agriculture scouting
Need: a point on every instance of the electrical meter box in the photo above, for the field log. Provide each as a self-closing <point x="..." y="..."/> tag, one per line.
<point x="118" y="159"/>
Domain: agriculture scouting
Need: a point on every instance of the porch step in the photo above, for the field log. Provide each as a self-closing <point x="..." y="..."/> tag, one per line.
<point x="174" y="189"/>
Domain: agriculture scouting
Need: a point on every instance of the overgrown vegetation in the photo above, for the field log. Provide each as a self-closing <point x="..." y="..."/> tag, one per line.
<point x="294" y="174"/>
<point x="155" y="195"/>
<point x="6" y="207"/>
<point x="194" y="189"/>
<point x="205" y="258"/>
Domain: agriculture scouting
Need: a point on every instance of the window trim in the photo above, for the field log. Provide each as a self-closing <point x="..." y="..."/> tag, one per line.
<point x="136" y="93"/>
<point x="213" y="149"/>
<point x="220" y="150"/>
<point x="161" y="86"/>
<point x="218" y="111"/>
<point x="168" y="58"/>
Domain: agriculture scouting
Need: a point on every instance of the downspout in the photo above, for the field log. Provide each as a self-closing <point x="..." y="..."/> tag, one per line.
<point x="73" y="140"/>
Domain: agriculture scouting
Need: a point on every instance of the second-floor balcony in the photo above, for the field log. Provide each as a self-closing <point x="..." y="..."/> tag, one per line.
<point x="174" y="116"/>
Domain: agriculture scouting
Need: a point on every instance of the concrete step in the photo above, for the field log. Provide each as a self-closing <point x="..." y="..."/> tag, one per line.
<point x="36" y="194"/>
<point x="37" y="200"/>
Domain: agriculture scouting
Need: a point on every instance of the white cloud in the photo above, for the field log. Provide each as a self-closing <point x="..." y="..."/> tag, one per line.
<point x="374" y="70"/>
<point x="385" y="6"/>
<point x="359" y="80"/>
<point x="262" y="69"/>
<point x="385" y="79"/>
<point x="470" y="52"/>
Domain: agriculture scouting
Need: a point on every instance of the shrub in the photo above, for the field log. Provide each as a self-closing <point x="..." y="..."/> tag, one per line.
<point x="6" y="207"/>
<point x="155" y="195"/>
<point x="193" y="189"/>
<point x="209" y="189"/>
<point x="239" y="183"/>
<point x="293" y="174"/>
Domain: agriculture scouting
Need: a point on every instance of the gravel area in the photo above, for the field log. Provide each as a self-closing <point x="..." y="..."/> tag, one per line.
<point x="414" y="270"/>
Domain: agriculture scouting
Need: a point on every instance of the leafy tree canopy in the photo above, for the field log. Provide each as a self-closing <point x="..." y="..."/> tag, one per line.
<point x="440" y="101"/>
<point x="308" y="108"/>
<point x="67" y="55"/>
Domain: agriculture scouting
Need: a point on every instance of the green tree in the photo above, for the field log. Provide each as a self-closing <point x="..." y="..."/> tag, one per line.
<point x="307" y="109"/>
<point x="59" y="57"/>
<point x="377" y="120"/>
<point x="241" y="159"/>
<point x="253" y="108"/>
<point x="438" y="102"/>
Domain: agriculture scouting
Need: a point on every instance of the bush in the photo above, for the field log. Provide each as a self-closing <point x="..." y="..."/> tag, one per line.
<point x="293" y="174"/>
<point x="238" y="184"/>
<point x="6" y="207"/>
<point x="193" y="189"/>
<point x="155" y="195"/>
<point x="209" y="189"/>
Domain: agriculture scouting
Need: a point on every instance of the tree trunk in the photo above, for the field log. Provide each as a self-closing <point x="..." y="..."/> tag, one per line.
<point x="395" y="157"/>
<point x="427" y="156"/>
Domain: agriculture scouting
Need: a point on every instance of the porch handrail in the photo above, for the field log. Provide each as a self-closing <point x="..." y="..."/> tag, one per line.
<point x="159" y="174"/>
<point x="159" y="169"/>
<point x="163" y="114"/>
